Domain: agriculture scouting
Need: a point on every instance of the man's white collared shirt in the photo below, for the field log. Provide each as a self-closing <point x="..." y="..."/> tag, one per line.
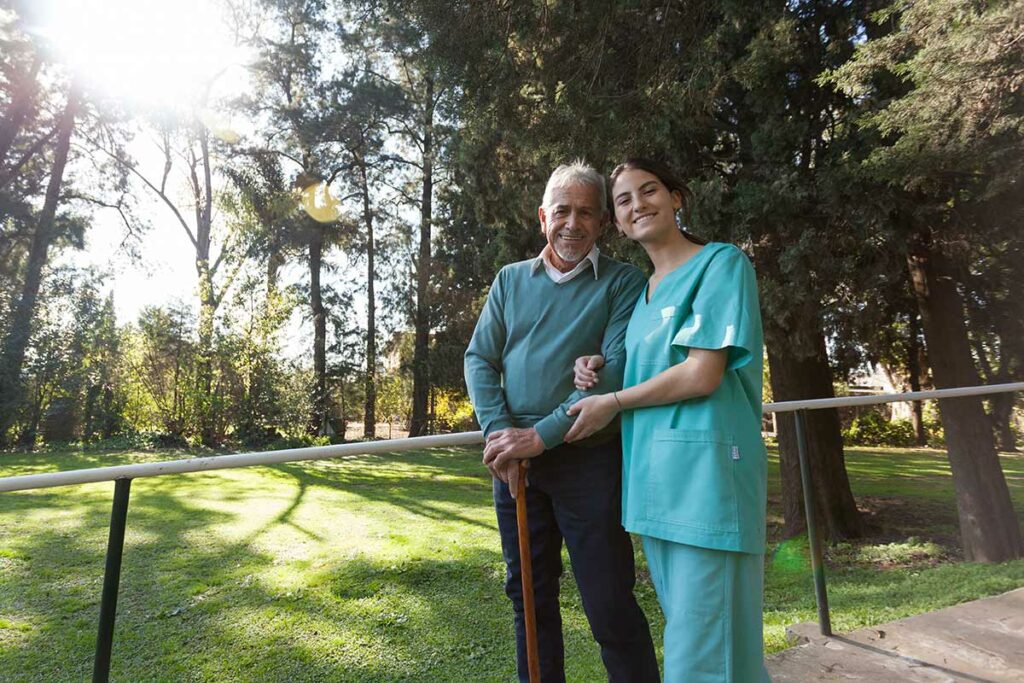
<point x="557" y="276"/>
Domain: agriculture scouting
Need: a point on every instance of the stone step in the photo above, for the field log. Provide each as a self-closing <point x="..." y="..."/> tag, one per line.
<point x="981" y="640"/>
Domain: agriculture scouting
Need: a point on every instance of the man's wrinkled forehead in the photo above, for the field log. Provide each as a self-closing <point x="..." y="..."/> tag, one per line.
<point x="577" y="195"/>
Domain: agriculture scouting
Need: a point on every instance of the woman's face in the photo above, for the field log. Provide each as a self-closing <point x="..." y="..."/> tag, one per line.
<point x="644" y="208"/>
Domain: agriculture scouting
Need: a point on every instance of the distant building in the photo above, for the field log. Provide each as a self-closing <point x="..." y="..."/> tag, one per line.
<point x="875" y="380"/>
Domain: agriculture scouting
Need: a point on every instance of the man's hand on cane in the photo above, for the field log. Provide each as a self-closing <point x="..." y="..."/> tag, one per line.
<point x="512" y="444"/>
<point x="505" y="448"/>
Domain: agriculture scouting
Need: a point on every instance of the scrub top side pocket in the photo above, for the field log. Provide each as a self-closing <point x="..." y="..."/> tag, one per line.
<point x="692" y="480"/>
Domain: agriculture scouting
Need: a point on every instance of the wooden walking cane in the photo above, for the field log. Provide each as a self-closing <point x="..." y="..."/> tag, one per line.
<point x="526" y="571"/>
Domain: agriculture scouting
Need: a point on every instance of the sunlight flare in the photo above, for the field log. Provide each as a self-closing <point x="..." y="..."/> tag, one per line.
<point x="151" y="53"/>
<point x="320" y="204"/>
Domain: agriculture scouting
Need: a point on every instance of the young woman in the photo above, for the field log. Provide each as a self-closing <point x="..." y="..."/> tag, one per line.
<point x="693" y="481"/>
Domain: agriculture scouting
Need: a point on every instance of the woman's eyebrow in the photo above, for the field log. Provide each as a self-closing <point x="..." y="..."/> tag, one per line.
<point x="642" y="187"/>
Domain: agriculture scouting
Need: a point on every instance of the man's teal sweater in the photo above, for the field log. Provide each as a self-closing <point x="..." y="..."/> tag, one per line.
<point x="519" y="364"/>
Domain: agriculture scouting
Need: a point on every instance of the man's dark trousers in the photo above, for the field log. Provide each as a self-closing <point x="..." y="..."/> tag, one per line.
<point x="575" y="494"/>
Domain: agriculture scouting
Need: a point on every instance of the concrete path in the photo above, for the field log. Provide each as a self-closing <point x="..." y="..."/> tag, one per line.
<point x="976" y="641"/>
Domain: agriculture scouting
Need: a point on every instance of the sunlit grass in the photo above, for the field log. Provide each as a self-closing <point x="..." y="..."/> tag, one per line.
<point x="387" y="568"/>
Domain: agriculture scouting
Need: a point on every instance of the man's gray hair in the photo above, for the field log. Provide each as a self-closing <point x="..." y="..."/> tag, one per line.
<point x="578" y="172"/>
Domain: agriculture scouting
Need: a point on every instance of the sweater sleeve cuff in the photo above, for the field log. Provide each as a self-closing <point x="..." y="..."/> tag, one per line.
<point x="495" y="425"/>
<point x="552" y="428"/>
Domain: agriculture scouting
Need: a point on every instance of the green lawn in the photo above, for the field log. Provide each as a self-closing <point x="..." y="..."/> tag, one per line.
<point x="387" y="568"/>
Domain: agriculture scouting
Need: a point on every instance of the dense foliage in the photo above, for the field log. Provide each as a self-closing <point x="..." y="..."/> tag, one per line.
<point x="867" y="156"/>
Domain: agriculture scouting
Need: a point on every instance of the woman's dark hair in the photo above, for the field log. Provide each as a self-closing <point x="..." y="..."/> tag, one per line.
<point x="664" y="173"/>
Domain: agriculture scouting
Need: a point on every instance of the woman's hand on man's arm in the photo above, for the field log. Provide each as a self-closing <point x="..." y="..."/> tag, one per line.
<point x="698" y="375"/>
<point x="592" y="413"/>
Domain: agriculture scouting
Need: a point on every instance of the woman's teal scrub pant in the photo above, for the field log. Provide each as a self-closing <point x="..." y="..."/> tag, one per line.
<point x="712" y="601"/>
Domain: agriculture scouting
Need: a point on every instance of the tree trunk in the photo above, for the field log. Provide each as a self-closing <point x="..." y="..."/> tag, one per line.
<point x="433" y="407"/>
<point x="110" y="415"/>
<point x="20" y="327"/>
<point x="1000" y="405"/>
<point x="318" y="422"/>
<point x="989" y="528"/>
<point x="92" y="395"/>
<point x="914" y="367"/>
<point x="208" y="302"/>
<point x="794" y="378"/>
<point x="275" y="260"/>
<point x="1002" y="414"/>
<point x="341" y="408"/>
<point x="421" y="360"/>
<point x="370" y="406"/>
<point x="27" y="438"/>
<point x="22" y="98"/>
<point x="204" y="369"/>
<point x="1011" y="369"/>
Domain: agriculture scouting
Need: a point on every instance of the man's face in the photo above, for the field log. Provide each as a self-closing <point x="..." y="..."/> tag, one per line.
<point x="572" y="221"/>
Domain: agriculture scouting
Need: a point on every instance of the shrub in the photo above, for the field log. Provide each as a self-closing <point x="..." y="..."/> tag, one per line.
<point x="135" y="441"/>
<point x="452" y="412"/>
<point x="873" y="429"/>
<point x="296" y="440"/>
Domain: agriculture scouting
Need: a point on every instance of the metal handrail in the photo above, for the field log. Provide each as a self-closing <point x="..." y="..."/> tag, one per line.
<point x="123" y="475"/>
<point x="220" y="462"/>
<point x="907" y="396"/>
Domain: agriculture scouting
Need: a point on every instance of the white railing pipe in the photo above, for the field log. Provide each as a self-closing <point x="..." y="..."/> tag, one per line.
<point x="220" y="462"/>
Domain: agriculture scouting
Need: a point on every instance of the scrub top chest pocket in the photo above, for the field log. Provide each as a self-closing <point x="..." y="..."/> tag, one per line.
<point x="691" y="480"/>
<point x="651" y="344"/>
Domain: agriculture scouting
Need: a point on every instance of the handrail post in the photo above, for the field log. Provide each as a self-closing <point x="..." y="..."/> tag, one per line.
<point x="817" y="557"/>
<point x="111" y="581"/>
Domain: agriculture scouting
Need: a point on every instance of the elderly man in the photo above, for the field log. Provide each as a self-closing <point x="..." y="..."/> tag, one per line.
<point x="541" y="315"/>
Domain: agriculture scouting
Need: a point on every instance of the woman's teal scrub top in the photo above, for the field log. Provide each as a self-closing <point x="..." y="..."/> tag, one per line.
<point x="694" y="472"/>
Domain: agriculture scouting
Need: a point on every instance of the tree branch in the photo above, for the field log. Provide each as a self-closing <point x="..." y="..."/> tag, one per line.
<point x="8" y="174"/>
<point x="167" y="162"/>
<point x="150" y="185"/>
<point x="119" y="207"/>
